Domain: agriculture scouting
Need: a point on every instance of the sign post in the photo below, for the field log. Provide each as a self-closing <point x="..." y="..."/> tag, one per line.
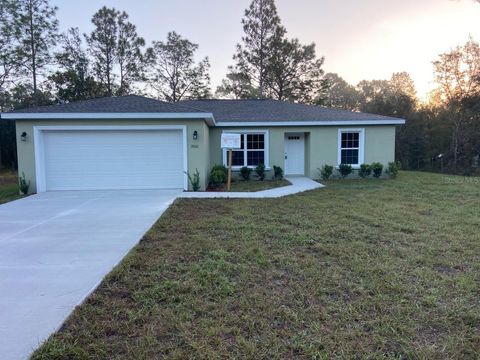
<point x="229" y="142"/>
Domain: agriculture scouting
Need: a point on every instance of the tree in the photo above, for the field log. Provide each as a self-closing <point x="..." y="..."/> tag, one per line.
<point x="75" y="81"/>
<point x="37" y="35"/>
<point x="295" y="73"/>
<point x="9" y="60"/>
<point x="129" y="54"/>
<point x="237" y="86"/>
<point x="115" y="45"/>
<point x="263" y="30"/>
<point x="103" y="45"/>
<point x="174" y="73"/>
<point x="457" y="74"/>
<point x="394" y="97"/>
<point x="340" y="94"/>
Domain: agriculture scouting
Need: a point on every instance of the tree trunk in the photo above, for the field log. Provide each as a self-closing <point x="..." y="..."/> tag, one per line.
<point x="33" y="54"/>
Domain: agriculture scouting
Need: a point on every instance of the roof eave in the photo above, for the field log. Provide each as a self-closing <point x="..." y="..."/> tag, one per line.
<point x="208" y="117"/>
<point x="311" y="123"/>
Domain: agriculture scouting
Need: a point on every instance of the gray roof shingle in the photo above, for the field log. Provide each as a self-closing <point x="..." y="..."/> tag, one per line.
<point x="118" y="104"/>
<point x="275" y="111"/>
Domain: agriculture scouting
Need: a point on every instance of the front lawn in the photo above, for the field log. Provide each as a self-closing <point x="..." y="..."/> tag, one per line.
<point x="256" y="185"/>
<point x="359" y="269"/>
<point x="8" y="186"/>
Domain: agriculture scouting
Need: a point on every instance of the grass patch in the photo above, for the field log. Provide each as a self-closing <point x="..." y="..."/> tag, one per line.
<point x="8" y="186"/>
<point x="360" y="269"/>
<point x="256" y="185"/>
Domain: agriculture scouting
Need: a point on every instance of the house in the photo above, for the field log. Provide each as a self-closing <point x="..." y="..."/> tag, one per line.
<point x="133" y="142"/>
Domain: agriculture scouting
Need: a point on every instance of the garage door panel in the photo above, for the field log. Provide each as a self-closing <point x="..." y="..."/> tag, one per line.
<point x="113" y="159"/>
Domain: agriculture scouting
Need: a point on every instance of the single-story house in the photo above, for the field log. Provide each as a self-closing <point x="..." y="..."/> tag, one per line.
<point x="134" y="142"/>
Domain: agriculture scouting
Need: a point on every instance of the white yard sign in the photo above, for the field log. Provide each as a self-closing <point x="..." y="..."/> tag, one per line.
<point x="231" y="141"/>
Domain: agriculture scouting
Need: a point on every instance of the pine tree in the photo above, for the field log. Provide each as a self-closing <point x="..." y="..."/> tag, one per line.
<point x="37" y="35"/>
<point x="174" y="73"/>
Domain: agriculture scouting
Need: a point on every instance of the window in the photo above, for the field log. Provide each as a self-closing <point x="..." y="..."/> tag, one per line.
<point x="350" y="146"/>
<point x="252" y="151"/>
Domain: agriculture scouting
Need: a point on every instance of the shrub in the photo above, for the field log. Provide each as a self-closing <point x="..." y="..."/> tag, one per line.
<point x="245" y="172"/>
<point x="377" y="169"/>
<point x="24" y="185"/>
<point x="392" y="169"/>
<point x="365" y="171"/>
<point x="260" y="170"/>
<point x="326" y="171"/>
<point x="277" y="172"/>
<point x="222" y="169"/>
<point x="345" y="170"/>
<point x="217" y="178"/>
<point x="194" y="180"/>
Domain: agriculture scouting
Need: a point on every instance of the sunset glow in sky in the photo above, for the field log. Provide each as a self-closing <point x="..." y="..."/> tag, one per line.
<point x="360" y="39"/>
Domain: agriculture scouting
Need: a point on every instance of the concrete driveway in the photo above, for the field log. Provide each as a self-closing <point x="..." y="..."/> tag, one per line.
<point x="56" y="247"/>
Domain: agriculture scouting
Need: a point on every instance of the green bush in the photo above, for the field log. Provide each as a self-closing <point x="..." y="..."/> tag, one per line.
<point x="245" y="172"/>
<point x="217" y="178"/>
<point x="326" y="171"/>
<point x="392" y="169"/>
<point x="277" y="172"/>
<point x="365" y="171"/>
<point x="220" y="169"/>
<point x="24" y="185"/>
<point x="194" y="180"/>
<point x="345" y="170"/>
<point x="260" y="170"/>
<point x="377" y="169"/>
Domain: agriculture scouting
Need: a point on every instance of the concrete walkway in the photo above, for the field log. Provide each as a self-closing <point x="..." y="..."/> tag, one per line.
<point x="299" y="184"/>
<point x="56" y="247"/>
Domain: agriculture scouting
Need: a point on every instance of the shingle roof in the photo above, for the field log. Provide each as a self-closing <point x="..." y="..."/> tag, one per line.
<point x="118" y="104"/>
<point x="275" y="111"/>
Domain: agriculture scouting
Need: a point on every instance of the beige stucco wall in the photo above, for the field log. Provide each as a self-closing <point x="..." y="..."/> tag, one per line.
<point x="321" y="145"/>
<point x="197" y="150"/>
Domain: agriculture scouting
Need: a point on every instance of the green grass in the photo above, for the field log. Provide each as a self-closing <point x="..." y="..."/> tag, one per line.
<point x="8" y="186"/>
<point x="256" y="185"/>
<point x="360" y="269"/>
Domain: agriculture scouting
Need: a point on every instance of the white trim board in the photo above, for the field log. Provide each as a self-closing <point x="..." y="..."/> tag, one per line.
<point x="105" y="115"/>
<point x="311" y="123"/>
<point x="39" y="145"/>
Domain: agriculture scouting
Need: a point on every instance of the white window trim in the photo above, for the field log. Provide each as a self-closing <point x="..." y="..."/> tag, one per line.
<point x="265" y="144"/>
<point x="361" y="150"/>
<point x="38" y="132"/>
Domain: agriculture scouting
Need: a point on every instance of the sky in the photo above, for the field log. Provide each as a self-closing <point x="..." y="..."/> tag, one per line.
<point x="360" y="39"/>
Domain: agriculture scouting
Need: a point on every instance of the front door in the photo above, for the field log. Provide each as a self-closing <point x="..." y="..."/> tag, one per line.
<point x="295" y="154"/>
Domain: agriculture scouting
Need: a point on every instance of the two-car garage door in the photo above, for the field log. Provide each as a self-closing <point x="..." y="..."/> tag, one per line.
<point x="113" y="159"/>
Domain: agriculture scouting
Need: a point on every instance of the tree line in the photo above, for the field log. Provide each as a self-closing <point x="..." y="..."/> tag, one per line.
<point x="40" y="66"/>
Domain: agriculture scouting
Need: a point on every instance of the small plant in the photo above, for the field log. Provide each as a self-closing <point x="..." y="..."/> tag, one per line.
<point x="365" y="171"/>
<point x="194" y="180"/>
<point x="392" y="169"/>
<point x="277" y="172"/>
<point x="220" y="169"/>
<point x="377" y="169"/>
<point x="217" y="178"/>
<point x="326" y="171"/>
<point x="245" y="172"/>
<point x="345" y="170"/>
<point x="24" y="185"/>
<point x="260" y="170"/>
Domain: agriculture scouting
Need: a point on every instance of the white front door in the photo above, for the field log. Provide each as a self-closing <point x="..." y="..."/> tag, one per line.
<point x="295" y="154"/>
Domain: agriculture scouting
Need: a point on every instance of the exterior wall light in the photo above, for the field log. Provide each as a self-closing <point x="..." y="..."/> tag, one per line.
<point x="23" y="136"/>
<point x="195" y="135"/>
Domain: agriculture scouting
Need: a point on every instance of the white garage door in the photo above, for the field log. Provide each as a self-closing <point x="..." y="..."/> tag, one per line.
<point x="113" y="159"/>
